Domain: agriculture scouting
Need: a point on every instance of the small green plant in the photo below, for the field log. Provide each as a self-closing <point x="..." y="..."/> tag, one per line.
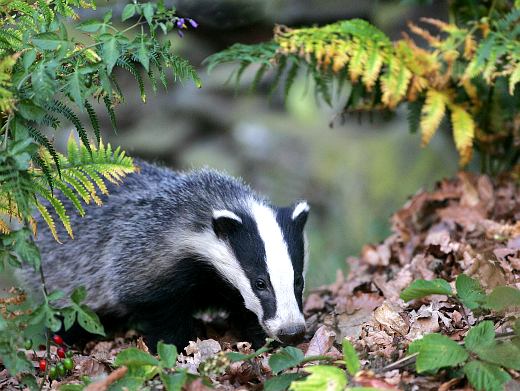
<point x="51" y="69"/>
<point x="469" y="292"/>
<point x="467" y="73"/>
<point x="484" y="360"/>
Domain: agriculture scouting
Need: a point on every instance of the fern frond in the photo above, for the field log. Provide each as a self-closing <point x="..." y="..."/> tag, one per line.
<point x="431" y="114"/>
<point x="93" y="120"/>
<point x="4" y="228"/>
<point x="463" y="132"/>
<point x="129" y="66"/>
<point x="44" y="212"/>
<point x="514" y="78"/>
<point x="44" y="142"/>
<point x="65" y="111"/>
<point x="110" y="110"/>
<point x="57" y="206"/>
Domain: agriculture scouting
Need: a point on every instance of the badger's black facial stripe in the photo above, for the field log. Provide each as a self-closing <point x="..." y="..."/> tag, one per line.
<point x="293" y="234"/>
<point x="248" y="247"/>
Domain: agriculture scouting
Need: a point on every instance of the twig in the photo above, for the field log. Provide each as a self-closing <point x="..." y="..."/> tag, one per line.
<point x="411" y="358"/>
<point x="104" y="384"/>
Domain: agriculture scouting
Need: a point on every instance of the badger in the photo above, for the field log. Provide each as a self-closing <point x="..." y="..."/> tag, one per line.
<point x="165" y="245"/>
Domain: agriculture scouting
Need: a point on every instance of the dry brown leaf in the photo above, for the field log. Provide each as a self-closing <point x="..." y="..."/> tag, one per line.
<point x="321" y="342"/>
<point x="105" y="383"/>
<point x="388" y="316"/>
<point x="313" y="303"/>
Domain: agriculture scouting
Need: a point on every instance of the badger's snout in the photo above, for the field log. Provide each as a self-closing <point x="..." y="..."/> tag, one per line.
<point x="291" y="334"/>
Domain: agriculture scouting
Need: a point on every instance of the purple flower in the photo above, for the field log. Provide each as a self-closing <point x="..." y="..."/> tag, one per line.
<point x="181" y="34"/>
<point x="180" y="23"/>
<point x="193" y="23"/>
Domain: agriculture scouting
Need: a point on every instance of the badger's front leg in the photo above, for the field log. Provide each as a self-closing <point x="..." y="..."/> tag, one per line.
<point x="246" y="325"/>
<point x="172" y="326"/>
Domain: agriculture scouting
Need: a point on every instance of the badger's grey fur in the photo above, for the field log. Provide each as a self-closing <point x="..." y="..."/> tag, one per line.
<point x="166" y="244"/>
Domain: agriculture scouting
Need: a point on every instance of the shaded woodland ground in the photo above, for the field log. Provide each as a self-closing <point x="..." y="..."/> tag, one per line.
<point x="470" y="225"/>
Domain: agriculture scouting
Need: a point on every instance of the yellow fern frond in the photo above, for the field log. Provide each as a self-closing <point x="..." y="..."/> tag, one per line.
<point x="394" y="83"/>
<point x="432" y="114"/>
<point x="44" y="212"/>
<point x="514" y="78"/>
<point x="357" y="62"/>
<point x="463" y="132"/>
<point x="470" y="45"/>
<point x="4" y="228"/>
<point x="425" y="34"/>
<point x="374" y="62"/>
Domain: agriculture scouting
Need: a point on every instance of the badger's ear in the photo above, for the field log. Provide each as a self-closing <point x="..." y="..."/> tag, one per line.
<point x="225" y="222"/>
<point x="300" y="212"/>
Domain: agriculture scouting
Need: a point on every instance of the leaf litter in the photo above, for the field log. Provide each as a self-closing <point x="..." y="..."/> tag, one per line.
<point x="469" y="224"/>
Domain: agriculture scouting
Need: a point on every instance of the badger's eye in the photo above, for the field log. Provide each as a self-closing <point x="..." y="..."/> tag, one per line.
<point x="260" y="284"/>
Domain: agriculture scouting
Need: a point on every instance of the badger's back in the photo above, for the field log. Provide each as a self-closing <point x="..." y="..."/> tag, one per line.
<point x="125" y="247"/>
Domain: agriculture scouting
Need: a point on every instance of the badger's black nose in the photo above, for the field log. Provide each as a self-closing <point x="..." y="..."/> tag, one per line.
<point x="291" y="334"/>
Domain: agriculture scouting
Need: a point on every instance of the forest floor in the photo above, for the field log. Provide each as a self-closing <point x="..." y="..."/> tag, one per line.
<point x="469" y="225"/>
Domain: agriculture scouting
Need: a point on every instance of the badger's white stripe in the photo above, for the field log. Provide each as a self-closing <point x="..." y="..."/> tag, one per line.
<point x="280" y="269"/>
<point x="299" y="209"/>
<point x="223" y="259"/>
<point x="217" y="214"/>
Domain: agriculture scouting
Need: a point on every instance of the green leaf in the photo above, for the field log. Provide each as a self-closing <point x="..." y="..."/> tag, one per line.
<point x="47" y="41"/>
<point x="167" y="354"/>
<point x="481" y="335"/>
<point x="30" y="111"/>
<point x="69" y="316"/>
<point x="469" y="291"/>
<point x="486" y="377"/>
<point x="110" y="53"/>
<point x="56" y="295"/>
<point x="321" y="378"/>
<point x="148" y="12"/>
<point x="28" y="58"/>
<point x="42" y="80"/>
<point x="76" y="87"/>
<point x="281" y="382"/>
<point x="90" y="26"/>
<point x="437" y="351"/>
<point x="503" y="354"/>
<point x="174" y="381"/>
<point x="128" y="11"/>
<point x="143" y="54"/>
<point x="421" y="288"/>
<point x="133" y="357"/>
<point x="79" y="294"/>
<point x="235" y="356"/>
<point x="89" y="320"/>
<point x="503" y="297"/>
<point x="350" y="356"/>
<point x="285" y="358"/>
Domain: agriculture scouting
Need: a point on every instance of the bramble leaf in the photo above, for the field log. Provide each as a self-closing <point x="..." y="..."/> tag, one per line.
<point x="469" y="291"/>
<point x="321" y="378"/>
<point x="503" y="297"/>
<point x="285" y="358"/>
<point x="481" y="335"/>
<point x="436" y="351"/>
<point x="421" y="288"/>
<point x="133" y="357"/>
<point x="486" y="377"/>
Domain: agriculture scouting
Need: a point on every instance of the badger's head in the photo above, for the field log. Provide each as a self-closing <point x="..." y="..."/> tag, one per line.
<point x="266" y="261"/>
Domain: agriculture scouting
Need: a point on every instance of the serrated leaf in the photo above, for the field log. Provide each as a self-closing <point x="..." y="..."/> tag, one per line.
<point x="281" y="382"/>
<point x="437" y="351"/>
<point x="76" y="87"/>
<point x="90" y="26"/>
<point x="505" y="354"/>
<point x="110" y="53"/>
<point x="167" y="354"/>
<point x="486" y="377"/>
<point x="128" y="11"/>
<point x="481" y="335"/>
<point x="431" y="114"/>
<point x="503" y="297"/>
<point x="47" y="41"/>
<point x="421" y="288"/>
<point x="143" y="54"/>
<point x="469" y="291"/>
<point x="350" y="356"/>
<point x="133" y="357"/>
<point x="321" y="378"/>
<point x="148" y="12"/>
<point x="285" y="358"/>
<point x="69" y="317"/>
